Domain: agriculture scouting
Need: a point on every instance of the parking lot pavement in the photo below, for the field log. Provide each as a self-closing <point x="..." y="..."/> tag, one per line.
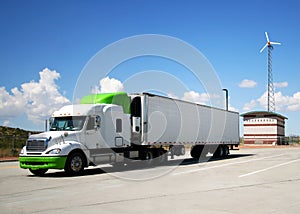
<point x="263" y="180"/>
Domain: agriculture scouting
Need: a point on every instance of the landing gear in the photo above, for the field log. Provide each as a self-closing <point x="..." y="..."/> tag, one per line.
<point x="177" y="150"/>
<point x="161" y="156"/>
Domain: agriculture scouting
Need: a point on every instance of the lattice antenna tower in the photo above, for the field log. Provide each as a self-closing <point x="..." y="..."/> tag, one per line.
<point x="271" y="94"/>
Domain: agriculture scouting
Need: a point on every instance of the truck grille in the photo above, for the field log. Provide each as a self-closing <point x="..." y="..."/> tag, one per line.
<point x="36" y="145"/>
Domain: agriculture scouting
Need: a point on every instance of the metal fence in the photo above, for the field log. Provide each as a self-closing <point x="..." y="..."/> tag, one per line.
<point x="290" y="140"/>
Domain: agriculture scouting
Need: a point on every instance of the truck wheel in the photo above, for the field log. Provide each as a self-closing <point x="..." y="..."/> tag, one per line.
<point x="38" y="172"/>
<point x="74" y="164"/>
<point x="147" y="157"/>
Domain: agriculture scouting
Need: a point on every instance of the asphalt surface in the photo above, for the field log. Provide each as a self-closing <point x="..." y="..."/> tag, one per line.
<point x="248" y="181"/>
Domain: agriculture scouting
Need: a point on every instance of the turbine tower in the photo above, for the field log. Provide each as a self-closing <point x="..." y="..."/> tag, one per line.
<point x="271" y="96"/>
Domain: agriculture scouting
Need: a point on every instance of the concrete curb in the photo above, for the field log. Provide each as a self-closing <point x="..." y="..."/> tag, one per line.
<point x="8" y="160"/>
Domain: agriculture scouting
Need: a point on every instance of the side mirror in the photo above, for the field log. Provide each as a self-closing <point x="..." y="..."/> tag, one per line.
<point x="51" y="120"/>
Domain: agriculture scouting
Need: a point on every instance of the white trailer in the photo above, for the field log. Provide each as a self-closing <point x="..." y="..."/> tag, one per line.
<point x="117" y="128"/>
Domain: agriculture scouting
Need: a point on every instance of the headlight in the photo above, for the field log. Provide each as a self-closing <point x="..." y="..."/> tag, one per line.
<point x="54" y="151"/>
<point x="22" y="151"/>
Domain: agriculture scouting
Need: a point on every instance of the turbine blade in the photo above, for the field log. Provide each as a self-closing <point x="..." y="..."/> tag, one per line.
<point x="263" y="48"/>
<point x="267" y="36"/>
<point x="275" y="43"/>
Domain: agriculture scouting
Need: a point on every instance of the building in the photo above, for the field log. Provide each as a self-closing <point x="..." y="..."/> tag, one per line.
<point x="262" y="127"/>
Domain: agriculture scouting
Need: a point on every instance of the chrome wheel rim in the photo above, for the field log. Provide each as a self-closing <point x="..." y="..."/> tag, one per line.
<point x="76" y="164"/>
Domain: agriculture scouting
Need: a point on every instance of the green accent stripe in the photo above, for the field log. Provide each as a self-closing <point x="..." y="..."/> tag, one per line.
<point x="42" y="162"/>
<point x="117" y="98"/>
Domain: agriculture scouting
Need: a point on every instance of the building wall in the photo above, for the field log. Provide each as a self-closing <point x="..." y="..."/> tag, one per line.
<point x="263" y="130"/>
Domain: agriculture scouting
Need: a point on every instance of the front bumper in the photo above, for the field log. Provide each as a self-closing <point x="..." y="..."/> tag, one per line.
<point x="38" y="162"/>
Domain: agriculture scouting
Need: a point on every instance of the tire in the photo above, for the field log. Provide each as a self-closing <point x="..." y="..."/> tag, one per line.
<point x="38" y="172"/>
<point x="219" y="152"/>
<point x="147" y="157"/>
<point x="75" y="164"/>
<point x="196" y="151"/>
<point x="226" y="151"/>
<point x="222" y="151"/>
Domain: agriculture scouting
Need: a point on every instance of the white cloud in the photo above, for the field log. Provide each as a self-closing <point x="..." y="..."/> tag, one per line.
<point x="250" y="106"/>
<point x="262" y="100"/>
<point x="108" y="85"/>
<point x="95" y="90"/>
<point x="6" y="123"/>
<point x="203" y="98"/>
<point x="37" y="99"/>
<point x="281" y="84"/>
<point x="196" y="97"/>
<point x="282" y="102"/>
<point x="247" y="84"/>
<point x="11" y="104"/>
<point x="171" y="95"/>
<point x="287" y="103"/>
<point x="231" y="108"/>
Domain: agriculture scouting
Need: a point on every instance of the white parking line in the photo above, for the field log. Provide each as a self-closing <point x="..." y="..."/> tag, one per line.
<point x="227" y="164"/>
<point x="266" y="169"/>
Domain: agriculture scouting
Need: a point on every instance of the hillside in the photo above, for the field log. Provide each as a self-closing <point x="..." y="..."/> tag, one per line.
<point x="12" y="140"/>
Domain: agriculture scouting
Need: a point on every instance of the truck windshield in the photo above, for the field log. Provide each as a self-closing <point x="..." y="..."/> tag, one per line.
<point x="72" y="123"/>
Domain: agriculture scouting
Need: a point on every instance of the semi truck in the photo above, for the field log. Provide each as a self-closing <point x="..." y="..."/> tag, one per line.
<point x="120" y="128"/>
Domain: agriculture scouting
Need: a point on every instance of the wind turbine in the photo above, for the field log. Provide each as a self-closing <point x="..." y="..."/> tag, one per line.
<point x="271" y="96"/>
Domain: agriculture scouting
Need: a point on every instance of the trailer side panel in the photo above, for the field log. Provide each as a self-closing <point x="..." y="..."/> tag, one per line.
<point x="171" y="121"/>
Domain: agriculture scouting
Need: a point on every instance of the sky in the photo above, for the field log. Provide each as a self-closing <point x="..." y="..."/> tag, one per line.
<point x="46" y="47"/>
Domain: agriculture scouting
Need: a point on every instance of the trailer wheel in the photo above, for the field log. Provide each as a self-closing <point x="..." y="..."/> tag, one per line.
<point x="226" y="150"/>
<point x="219" y="151"/>
<point x="75" y="164"/>
<point x="196" y="151"/>
<point x="38" y="172"/>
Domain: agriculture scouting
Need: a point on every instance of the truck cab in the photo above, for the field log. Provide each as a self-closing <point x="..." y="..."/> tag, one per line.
<point x="80" y="135"/>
